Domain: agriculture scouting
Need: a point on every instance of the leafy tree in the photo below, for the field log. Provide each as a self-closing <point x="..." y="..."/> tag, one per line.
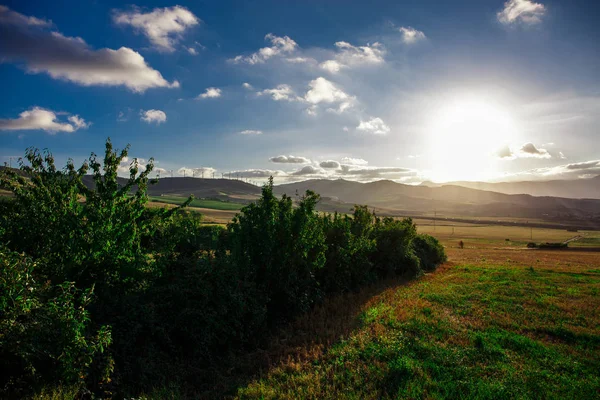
<point x="279" y="248"/>
<point x="45" y="330"/>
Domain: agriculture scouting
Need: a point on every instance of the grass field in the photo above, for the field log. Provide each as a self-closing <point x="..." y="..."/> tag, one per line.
<point x="494" y="322"/>
<point x="197" y="203"/>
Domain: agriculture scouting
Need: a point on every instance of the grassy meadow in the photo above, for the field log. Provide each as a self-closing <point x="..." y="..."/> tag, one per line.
<point x="490" y="323"/>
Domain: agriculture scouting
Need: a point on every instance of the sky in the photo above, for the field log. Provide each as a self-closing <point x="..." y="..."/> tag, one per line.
<point x="409" y="91"/>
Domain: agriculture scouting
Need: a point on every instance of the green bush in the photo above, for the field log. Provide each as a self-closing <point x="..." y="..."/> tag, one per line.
<point x="86" y="268"/>
<point x="394" y="253"/>
<point x="279" y="248"/>
<point x="45" y="330"/>
<point x="429" y="250"/>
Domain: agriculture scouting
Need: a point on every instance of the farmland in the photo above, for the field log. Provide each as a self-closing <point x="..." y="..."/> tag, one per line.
<point x="492" y="322"/>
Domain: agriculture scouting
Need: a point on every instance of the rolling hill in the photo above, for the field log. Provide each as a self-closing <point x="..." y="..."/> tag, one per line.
<point x="575" y="189"/>
<point x="454" y="200"/>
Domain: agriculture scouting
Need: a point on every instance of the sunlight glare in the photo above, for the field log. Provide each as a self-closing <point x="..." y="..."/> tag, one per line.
<point x="465" y="137"/>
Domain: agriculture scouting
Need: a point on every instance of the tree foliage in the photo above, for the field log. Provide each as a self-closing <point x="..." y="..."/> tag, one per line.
<point x="99" y="291"/>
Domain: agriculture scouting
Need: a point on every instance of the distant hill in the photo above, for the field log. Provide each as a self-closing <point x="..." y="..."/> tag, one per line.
<point x="447" y="200"/>
<point x="223" y="189"/>
<point x="575" y="188"/>
<point x="391" y="198"/>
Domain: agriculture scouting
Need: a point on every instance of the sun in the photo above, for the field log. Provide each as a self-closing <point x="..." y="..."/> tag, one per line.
<point x="465" y="135"/>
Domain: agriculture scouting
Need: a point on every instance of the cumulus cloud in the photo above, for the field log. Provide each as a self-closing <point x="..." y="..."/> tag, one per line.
<point x="198" y="172"/>
<point x="289" y="160"/>
<point x="256" y="173"/>
<point x="358" y="55"/>
<point x="210" y="93"/>
<point x="323" y="91"/>
<point x="329" y="164"/>
<point x="156" y="116"/>
<point x="586" y="169"/>
<point x="348" y="56"/>
<point x="353" y="161"/>
<point x="525" y="11"/>
<point x="308" y="170"/>
<point x="505" y="153"/>
<point x="247" y="86"/>
<point x="251" y="132"/>
<point x="411" y="35"/>
<point x="164" y="27"/>
<point x="128" y="162"/>
<point x="332" y="66"/>
<point x="374" y="126"/>
<point x="27" y="40"/>
<point x="280" y="93"/>
<point x="529" y="150"/>
<point x="279" y="46"/>
<point x="42" y="119"/>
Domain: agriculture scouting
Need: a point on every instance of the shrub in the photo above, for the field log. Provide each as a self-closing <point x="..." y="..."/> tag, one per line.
<point x="429" y="250"/>
<point x="348" y="264"/>
<point x="394" y="253"/>
<point x="279" y="248"/>
<point x="45" y="330"/>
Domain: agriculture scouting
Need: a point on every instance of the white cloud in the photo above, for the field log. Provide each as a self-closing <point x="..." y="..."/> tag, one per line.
<point x="247" y="86"/>
<point x="160" y="171"/>
<point x="376" y="172"/>
<point x="12" y="17"/>
<point x="210" y="93"/>
<point x="323" y="91"/>
<point x="332" y="66"/>
<point x="342" y="107"/>
<point x="280" y="45"/>
<point x="348" y="56"/>
<point x="354" y="161"/>
<point x="375" y="126"/>
<point x="300" y="60"/>
<point x="25" y="39"/>
<point x="329" y="164"/>
<point x="192" y="51"/>
<point x="561" y="155"/>
<point x="279" y="93"/>
<point x="345" y="129"/>
<point x="525" y="11"/>
<point x="156" y="116"/>
<point x="256" y="173"/>
<point x="529" y="150"/>
<point x="411" y="35"/>
<point x="309" y="170"/>
<point x="162" y="26"/>
<point x="46" y="120"/>
<point x="251" y="132"/>
<point x="79" y="123"/>
<point x="198" y="172"/>
<point x="289" y="160"/>
<point x="505" y="153"/>
<point x="358" y="55"/>
<point x="586" y="169"/>
<point x="312" y="110"/>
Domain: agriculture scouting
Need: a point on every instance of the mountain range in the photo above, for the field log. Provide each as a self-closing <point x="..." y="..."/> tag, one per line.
<point x="575" y="189"/>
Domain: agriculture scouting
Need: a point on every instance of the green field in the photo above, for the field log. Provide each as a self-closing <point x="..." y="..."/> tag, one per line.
<point x="198" y="203"/>
<point x="492" y="323"/>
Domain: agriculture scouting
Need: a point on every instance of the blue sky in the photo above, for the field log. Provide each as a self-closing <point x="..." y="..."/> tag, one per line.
<point x="402" y="90"/>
